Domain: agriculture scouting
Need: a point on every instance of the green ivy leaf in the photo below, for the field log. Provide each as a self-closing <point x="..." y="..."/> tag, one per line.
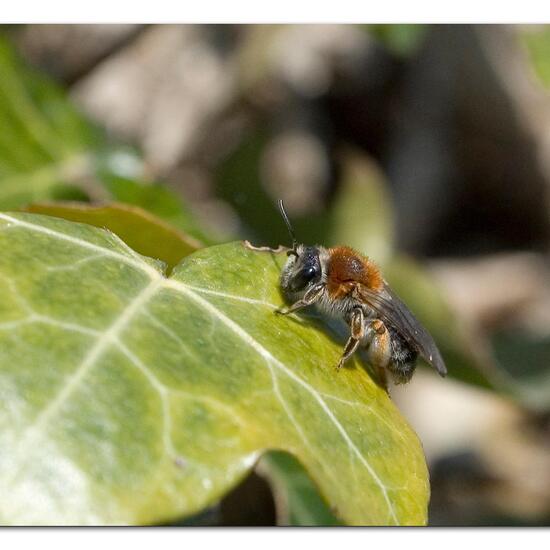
<point x="127" y="397"/>
<point x="141" y="231"/>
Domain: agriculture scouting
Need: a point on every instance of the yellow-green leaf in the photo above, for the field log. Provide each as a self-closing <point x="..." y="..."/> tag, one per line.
<point x="127" y="397"/>
<point x="140" y="230"/>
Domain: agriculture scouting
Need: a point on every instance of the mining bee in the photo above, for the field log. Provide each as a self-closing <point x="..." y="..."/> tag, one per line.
<point x="343" y="283"/>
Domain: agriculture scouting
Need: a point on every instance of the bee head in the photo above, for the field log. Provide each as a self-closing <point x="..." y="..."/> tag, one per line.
<point x="303" y="267"/>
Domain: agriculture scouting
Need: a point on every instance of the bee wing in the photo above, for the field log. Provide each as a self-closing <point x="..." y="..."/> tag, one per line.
<point x="394" y="312"/>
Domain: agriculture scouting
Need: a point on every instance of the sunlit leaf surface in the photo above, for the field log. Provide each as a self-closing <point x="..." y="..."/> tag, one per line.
<point x="130" y="397"/>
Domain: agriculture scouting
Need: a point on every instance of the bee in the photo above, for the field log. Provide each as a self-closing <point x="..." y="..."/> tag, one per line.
<point x="343" y="283"/>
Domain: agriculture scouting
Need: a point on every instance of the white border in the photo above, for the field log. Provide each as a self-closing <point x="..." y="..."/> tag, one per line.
<point x="288" y="11"/>
<point x="269" y="539"/>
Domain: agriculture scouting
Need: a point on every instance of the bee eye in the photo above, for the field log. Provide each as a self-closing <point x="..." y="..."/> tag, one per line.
<point x="304" y="277"/>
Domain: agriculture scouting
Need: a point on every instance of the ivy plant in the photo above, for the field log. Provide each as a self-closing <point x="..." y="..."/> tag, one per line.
<point x="133" y="397"/>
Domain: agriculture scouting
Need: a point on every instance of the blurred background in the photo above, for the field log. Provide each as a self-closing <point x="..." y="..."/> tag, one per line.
<point x="425" y="147"/>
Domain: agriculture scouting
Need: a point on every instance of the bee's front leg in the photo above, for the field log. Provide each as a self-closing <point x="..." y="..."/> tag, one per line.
<point x="310" y="297"/>
<point x="357" y="326"/>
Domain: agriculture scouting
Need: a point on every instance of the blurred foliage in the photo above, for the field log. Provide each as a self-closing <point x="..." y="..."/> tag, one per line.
<point x="402" y="40"/>
<point x="237" y="182"/>
<point x="59" y="155"/>
<point x="362" y="214"/>
<point x="298" y="502"/>
<point x="524" y="360"/>
<point x="536" y="39"/>
<point x="464" y="361"/>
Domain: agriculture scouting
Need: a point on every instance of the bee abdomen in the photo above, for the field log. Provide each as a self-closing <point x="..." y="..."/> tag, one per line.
<point x="403" y="358"/>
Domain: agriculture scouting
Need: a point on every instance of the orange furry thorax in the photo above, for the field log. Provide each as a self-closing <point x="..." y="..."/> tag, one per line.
<point x="346" y="267"/>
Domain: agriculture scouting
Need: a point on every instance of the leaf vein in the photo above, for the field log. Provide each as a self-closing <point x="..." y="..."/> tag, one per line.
<point x="105" y="339"/>
<point x="254" y="344"/>
<point x="134" y="260"/>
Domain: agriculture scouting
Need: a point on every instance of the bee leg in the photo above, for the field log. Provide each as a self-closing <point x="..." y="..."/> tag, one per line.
<point x="310" y="297"/>
<point x="357" y="326"/>
<point x="378" y="348"/>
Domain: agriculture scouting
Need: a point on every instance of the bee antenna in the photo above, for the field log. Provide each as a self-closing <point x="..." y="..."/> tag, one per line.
<point x="289" y="227"/>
